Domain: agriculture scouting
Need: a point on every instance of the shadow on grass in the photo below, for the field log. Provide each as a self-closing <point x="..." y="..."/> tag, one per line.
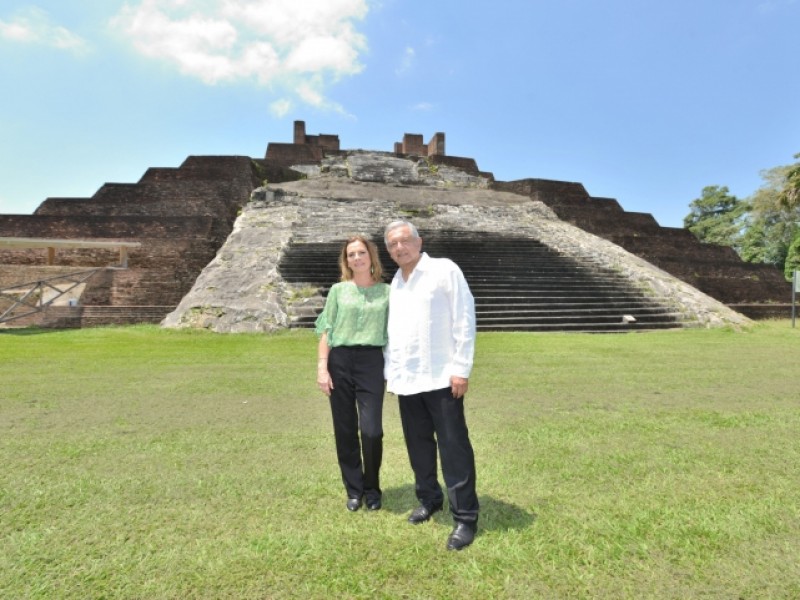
<point x="23" y="331"/>
<point x="495" y="515"/>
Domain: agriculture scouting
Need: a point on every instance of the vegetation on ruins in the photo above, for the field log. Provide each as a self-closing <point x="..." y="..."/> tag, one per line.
<point x="432" y="166"/>
<point x="141" y="462"/>
<point x="764" y="228"/>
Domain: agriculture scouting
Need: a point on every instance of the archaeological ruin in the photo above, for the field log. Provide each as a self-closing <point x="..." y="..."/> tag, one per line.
<point x="243" y="244"/>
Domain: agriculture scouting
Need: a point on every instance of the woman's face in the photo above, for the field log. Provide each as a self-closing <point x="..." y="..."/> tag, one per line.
<point x="358" y="257"/>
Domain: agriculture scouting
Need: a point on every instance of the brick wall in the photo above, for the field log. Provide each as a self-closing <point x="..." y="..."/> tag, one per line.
<point x="468" y="165"/>
<point x="180" y="216"/>
<point x="294" y="154"/>
<point x="413" y="144"/>
<point x="436" y="145"/>
<point x="715" y="270"/>
<point x="325" y="141"/>
<point x="545" y="190"/>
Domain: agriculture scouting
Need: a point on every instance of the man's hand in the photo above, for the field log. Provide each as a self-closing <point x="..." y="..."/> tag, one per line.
<point x="458" y="386"/>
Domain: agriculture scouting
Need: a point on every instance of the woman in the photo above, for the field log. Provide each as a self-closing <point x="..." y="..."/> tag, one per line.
<point x="352" y="330"/>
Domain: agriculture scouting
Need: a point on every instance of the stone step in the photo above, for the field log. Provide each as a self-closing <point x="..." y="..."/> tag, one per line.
<point x="92" y="315"/>
<point x="599" y="315"/>
<point x="618" y="306"/>
<point x="517" y="284"/>
<point x="583" y="327"/>
<point x="315" y="272"/>
<point x="559" y="295"/>
<point x="573" y="325"/>
<point x="555" y="290"/>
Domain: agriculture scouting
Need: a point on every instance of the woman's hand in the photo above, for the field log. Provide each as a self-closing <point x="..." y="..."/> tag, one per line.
<point x="324" y="380"/>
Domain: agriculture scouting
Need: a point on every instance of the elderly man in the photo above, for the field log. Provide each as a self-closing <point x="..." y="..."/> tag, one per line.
<point x="428" y="362"/>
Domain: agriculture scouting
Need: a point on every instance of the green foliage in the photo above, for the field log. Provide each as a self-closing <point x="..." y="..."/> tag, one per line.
<point x="716" y="216"/>
<point x="792" y="258"/>
<point x="771" y="226"/>
<point x="790" y="194"/>
<point x="295" y="293"/>
<point x="416" y="211"/>
<point x="432" y="166"/>
<point x="761" y="228"/>
<point x="260" y="171"/>
<point x="149" y="463"/>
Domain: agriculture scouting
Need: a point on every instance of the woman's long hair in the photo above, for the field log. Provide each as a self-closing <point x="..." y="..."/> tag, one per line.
<point x="374" y="259"/>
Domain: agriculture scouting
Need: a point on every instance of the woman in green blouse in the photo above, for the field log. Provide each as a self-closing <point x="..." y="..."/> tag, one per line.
<point x="352" y="330"/>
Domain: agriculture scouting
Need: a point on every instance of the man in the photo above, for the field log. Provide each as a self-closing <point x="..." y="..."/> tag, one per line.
<point x="428" y="362"/>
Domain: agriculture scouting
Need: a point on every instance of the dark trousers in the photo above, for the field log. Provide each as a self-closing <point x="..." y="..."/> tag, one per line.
<point x="432" y="417"/>
<point x="357" y="406"/>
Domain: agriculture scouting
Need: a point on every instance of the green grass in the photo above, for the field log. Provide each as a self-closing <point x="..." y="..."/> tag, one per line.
<point x="148" y="463"/>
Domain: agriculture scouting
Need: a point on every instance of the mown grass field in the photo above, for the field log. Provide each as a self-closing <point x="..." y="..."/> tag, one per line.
<point x="144" y="463"/>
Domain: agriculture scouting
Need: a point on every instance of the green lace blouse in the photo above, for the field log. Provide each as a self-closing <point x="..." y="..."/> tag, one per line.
<point x="355" y="316"/>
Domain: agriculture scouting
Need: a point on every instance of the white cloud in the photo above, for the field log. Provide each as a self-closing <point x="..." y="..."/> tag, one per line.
<point x="297" y="46"/>
<point x="406" y="62"/>
<point x="423" y="106"/>
<point x="280" y="108"/>
<point x="34" y="26"/>
<point x="310" y="93"/>
<point x="16" y="31"/>
<point x="314" y="54"/>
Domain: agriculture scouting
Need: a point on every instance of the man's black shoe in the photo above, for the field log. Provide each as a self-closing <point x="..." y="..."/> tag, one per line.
<point x="374" y="504"/>
<point x="461" y="536"/>
<point x="422" y="513"/>
<point x="353" y="504"/>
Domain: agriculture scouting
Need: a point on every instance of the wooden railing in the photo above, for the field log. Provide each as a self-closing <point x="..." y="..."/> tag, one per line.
<point x="51" y="245"/>
<point x="23" y="299"/>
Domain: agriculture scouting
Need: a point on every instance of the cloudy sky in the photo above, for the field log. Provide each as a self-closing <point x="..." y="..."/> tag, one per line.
<point x="644" y="101"/>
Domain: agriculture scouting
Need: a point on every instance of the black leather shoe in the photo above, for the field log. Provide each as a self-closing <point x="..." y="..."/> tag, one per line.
<point x="461" y="536"/>
<point x="374" y="504"/>
<point x="422" y="513"/>
<point x="353" y="504"/>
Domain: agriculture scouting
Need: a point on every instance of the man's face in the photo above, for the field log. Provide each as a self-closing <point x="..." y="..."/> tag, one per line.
<point x="403" y="247"/>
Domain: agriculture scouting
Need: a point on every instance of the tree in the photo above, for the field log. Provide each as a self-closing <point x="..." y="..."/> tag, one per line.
<point x="770" y="226"/>
<point x="792" y="259"/>
<point x="717" y="217"/>
<point x="790" y="194"/>
<point x="763" y="228"/>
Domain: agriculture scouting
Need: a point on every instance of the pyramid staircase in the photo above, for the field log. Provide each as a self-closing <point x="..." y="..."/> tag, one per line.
<point x="757" y="290"/>
<point x="519" y="284"/>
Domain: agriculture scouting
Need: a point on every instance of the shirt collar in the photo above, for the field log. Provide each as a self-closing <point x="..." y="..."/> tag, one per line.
<point x="421" y="265"/>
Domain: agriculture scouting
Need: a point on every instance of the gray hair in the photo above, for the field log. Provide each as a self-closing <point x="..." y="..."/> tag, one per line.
<point x="396" y="225"/>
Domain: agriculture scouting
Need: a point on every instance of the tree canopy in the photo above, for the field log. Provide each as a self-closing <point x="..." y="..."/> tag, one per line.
<point x="716" y="216"/>
<point x="790" y="194"/>
<point x="762" y="228"/>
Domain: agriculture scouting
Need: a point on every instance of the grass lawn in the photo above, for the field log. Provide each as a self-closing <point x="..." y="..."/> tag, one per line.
<point x="147" y="463"/>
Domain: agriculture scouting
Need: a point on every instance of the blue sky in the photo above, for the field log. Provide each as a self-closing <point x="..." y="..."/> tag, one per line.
<point x="643" y="101"/>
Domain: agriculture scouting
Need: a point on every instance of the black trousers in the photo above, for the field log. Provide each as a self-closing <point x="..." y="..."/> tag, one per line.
<point x="432" y="417"/>
<point x="357" y="410"/>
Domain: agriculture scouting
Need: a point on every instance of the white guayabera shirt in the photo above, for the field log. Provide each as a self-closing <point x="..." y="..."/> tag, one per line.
<point x="431" y="328"/>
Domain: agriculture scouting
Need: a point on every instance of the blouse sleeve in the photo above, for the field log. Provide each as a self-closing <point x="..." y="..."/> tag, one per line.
<point x="327" y="317"/>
